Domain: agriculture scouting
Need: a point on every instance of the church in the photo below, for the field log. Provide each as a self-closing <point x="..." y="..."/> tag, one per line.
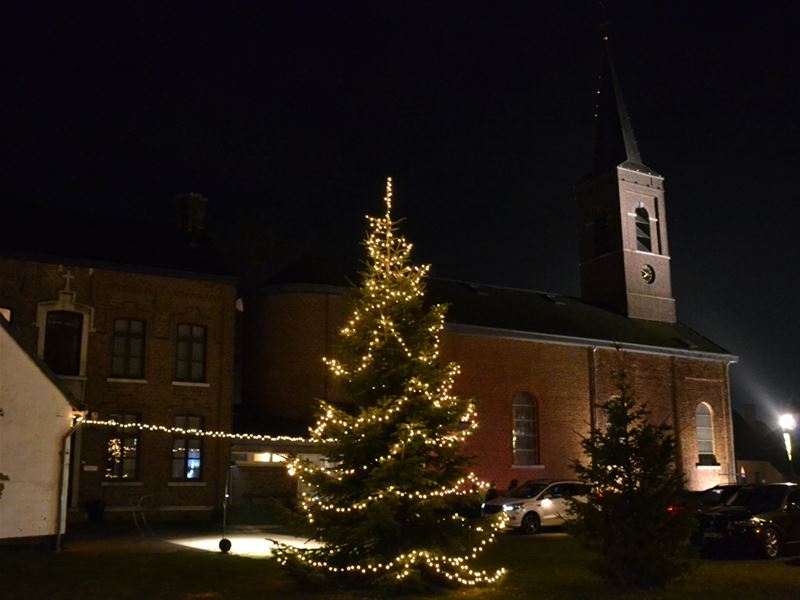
<point x="537" y="364"/>
<point x="155" y="334"/>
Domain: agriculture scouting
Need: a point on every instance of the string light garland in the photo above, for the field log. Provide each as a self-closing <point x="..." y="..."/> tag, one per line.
<point x="256" y="437"/>
<point x="396" y="454"/>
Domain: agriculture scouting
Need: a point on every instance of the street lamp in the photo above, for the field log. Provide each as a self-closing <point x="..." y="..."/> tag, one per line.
<point x="788" y="423"/>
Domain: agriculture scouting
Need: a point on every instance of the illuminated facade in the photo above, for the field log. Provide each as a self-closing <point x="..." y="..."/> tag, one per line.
<point x="150" y="343"/>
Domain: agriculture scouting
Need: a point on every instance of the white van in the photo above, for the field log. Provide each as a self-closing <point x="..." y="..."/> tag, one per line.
<point x="537" y="503"/>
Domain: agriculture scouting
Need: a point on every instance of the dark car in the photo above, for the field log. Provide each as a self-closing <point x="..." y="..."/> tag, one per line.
<point x="765" y="518"/>
<point x="704" y="500"/>
<point x="718" y="495"/>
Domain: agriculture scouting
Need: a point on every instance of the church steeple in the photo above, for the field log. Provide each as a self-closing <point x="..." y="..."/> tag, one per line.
<point x="625" y="263"/>
<point x="616" y="143"/>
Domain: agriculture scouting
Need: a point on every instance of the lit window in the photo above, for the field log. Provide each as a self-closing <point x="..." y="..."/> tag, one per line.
<point x="525" y="440"/>
<point x="705" y="435"/>
<point x="122" y="449"/>
<point x="644" y="240"/>
<point x="128" y="349"/>
<point x="187" y="449"/>
<point x="62" y="341"/>
<point x="190" y="362"/>
<point x="5" y="313"/>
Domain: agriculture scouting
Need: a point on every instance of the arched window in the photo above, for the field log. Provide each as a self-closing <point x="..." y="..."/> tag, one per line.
<point x="644" y="240"/>
<point x="705" y="434"/>
<point x="525" y="440"/>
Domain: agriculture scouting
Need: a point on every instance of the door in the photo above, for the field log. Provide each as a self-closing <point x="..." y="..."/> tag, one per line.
<point x="552" y="505"/>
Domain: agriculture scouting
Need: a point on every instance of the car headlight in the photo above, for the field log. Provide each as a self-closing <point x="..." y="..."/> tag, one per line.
<point x="510" y="507"/>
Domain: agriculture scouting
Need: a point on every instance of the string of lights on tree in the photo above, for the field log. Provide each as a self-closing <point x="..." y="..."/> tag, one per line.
<point x="389" y="500"/>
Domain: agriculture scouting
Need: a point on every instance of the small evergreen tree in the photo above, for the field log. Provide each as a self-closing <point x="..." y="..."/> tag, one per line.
<point x="393" y="503"/>
<point x="632" y="520"/>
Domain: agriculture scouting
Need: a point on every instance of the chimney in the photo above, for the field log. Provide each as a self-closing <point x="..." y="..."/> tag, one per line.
<point x="191" y="212"/>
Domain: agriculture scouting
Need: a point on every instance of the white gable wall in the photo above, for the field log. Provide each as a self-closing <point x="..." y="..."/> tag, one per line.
<point x="35" y="418"/>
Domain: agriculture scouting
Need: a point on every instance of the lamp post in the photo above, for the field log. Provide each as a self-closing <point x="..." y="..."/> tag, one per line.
<point x="788" y="423"/>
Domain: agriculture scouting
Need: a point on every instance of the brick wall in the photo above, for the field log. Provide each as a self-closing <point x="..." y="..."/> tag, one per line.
<point x="162" y="302"/>
<point x="297" y="328"/>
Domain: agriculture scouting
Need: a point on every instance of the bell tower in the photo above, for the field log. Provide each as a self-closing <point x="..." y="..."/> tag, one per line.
<point x="624" y="253"/>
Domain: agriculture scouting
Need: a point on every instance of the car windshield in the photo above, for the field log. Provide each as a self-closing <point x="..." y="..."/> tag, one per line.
<point x="760" y="499"/>
<point x="717" y="495"/>
<point x="529" y="489"/>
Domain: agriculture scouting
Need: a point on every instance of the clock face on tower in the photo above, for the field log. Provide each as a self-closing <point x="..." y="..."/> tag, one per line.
<point x="648" y="274"/>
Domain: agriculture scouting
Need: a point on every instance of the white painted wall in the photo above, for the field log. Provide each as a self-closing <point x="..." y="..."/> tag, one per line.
<point x="35" y="417"/>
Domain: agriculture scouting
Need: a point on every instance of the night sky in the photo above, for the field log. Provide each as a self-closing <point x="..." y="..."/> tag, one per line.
<point x="288" y="116"/>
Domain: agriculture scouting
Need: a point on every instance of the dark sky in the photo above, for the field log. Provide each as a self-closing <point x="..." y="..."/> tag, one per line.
<point x="289" y="116"/>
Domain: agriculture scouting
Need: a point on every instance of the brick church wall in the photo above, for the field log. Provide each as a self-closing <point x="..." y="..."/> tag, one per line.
<point x="296" y="329"/>
<point x="493" y="370"/>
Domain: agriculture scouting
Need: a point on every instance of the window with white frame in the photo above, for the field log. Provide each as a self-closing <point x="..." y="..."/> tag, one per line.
<point x="705" y="434"/>
<point x="525" y="438"/>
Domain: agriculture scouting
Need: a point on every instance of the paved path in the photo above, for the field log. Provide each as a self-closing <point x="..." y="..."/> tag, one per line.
<point x="249" y="541"/>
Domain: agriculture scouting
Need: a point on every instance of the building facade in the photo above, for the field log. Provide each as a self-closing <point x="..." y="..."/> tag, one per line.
<point x="134" y="345"/>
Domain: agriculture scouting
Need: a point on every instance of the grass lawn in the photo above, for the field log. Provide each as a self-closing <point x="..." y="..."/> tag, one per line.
<point x="541" y="567"/>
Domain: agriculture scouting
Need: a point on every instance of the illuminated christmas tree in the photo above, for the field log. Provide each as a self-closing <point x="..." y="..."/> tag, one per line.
<point x="394" y="502"/>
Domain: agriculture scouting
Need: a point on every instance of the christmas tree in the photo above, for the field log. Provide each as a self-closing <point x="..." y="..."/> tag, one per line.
<point x="632" y="519"/>
<point x="393" y="503"/>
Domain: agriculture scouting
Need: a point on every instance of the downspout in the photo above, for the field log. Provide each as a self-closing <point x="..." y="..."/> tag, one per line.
<point x="733" y="474"/>
<point x="593" y="390"/>
<point x="676" y="421"/>
<point x="64" y="454"/>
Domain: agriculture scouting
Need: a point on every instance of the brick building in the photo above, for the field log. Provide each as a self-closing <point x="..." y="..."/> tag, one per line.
<point x="135" y="342"/>
<point x="537" y="363"/>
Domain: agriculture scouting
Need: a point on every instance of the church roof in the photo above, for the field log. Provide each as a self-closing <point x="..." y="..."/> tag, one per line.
<point x="616" y="144"/>
<point x="527" y="314"/>
<point x="495" y="311"/>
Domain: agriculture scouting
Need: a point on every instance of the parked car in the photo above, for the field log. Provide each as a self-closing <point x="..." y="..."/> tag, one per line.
<point x="704" y="500"/>
<point x="765" y="518"/>
<point x="536" y="503"/>
<point x="718" y="495"/>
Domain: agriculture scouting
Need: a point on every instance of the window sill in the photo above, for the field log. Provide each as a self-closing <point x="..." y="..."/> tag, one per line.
<point x="527" y="466"/>
<point x="124" y="380"/>
<point x="709" y="467"/>
<point x="196" y="384"/>
<point x="186" y="483"/>
<point x="121" y="483"/>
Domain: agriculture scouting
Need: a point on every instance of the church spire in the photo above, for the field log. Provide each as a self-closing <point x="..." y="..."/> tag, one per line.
<point x="616" y="143"/>
<point x="624" y="253"/>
